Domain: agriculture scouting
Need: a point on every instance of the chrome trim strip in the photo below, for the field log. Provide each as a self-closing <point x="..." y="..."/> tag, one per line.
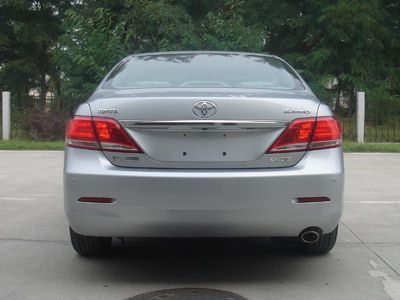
<point x="203" y="124"/>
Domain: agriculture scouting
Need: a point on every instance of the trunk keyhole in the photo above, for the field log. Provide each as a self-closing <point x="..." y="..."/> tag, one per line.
<point x="224" y="153"/>
<point x="184" y="153"/>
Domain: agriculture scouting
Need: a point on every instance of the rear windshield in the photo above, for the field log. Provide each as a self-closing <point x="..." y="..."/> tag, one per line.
<point x="190" y="70"/>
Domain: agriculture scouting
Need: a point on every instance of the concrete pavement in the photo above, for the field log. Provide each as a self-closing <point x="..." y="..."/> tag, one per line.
<point x="37" y="261"/>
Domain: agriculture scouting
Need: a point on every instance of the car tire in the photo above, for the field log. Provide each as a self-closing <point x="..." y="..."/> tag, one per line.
<point x="89" y="245"/>
<point x="322" y="246"/>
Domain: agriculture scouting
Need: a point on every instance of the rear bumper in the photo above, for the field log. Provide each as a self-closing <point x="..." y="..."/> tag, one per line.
<point x="198" y="203"/>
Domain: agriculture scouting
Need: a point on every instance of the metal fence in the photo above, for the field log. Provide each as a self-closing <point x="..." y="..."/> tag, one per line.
<point x="382" y="119"/>
<point x="382" y="122"/>
<point x="389" y="132"/>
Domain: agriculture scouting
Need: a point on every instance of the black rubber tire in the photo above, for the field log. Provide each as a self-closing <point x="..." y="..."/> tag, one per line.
<point x="322" y="246"/>
<point x="89" y="245"/>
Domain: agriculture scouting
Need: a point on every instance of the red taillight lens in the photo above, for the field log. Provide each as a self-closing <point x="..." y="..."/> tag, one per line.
<point x="100" y="134"/>
<point x="113" y="137"/>
<point x="295" y="137"/>
<point x="80" y="134"/>
<point x="308" y="134"/>
<point x="327" y="134"/>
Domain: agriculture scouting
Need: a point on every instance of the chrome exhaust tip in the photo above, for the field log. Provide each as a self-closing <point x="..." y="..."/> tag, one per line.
<point x="310" y="236"/>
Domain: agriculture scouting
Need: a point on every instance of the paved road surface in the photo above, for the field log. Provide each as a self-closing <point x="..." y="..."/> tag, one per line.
<point x="37" y="262"/>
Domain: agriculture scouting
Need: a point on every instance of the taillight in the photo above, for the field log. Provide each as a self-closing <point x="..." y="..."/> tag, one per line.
<point x="327" y="134"/>
<point x="80" y="134"/>
<point x="99" y="134"/>
<point x="309" y="134"/>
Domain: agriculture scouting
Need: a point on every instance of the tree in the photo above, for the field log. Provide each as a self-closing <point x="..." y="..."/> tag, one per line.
<point x="68" y="46"/>
<point x="28" y="32"/>
<point x="343" y="40"/>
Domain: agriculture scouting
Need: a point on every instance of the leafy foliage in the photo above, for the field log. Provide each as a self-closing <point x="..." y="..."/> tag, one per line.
<point x="68" y="46"/>
<point x="90" y="46"/>
<point x="45" y="126"/>
<point x="28" y="33"/>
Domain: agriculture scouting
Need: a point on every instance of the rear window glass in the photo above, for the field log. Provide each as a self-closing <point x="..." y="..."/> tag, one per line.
<point x="208" y="70"/>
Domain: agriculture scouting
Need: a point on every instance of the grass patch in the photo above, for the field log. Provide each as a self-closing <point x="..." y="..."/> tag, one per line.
<point x="20" y="144"/>
<point x="371" y="147"/>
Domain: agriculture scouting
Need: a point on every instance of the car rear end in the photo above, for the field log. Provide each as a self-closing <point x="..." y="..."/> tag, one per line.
<point x="213" y="155"/>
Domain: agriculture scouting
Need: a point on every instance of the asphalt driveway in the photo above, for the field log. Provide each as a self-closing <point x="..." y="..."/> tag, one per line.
<point x="37" y="261"/>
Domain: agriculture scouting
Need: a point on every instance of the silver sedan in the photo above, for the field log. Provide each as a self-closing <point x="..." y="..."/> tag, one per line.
<point x="203" y="144"/>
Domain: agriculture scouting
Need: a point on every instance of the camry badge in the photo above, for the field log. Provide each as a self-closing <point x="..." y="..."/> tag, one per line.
<point x="296" y="111"/>
<point x="204" y="109"/>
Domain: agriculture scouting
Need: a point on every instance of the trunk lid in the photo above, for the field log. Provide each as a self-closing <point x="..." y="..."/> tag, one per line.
<point x="233" y="130"/>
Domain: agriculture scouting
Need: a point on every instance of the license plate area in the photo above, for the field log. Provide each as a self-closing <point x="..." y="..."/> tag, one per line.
<point x="203" y="146"/>
<point x="215" y="145"/>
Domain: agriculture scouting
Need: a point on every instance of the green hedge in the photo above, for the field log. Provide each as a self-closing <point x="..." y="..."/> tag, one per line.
<point x="21" y="144"/>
